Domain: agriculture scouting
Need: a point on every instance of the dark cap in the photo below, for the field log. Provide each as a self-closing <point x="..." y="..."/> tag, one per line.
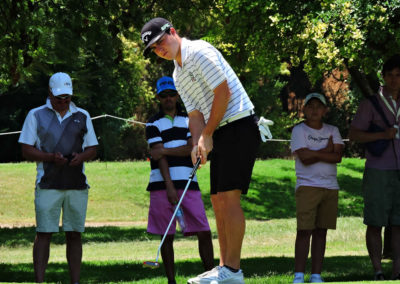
<point x="152" y="31"/>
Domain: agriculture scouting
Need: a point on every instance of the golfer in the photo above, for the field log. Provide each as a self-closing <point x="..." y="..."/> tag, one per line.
<point x="221" y="118"/>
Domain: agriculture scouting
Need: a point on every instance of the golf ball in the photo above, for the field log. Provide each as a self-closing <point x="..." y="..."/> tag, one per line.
<point x="214" y="282"/>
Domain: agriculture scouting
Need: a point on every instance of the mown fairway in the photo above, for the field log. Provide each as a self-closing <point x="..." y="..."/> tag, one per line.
<point x="116" y="242"/>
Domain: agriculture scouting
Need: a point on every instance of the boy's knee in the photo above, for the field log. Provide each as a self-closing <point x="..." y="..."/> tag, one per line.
<point x="304" y="233"/>
<point x="169" y="239"/>
<point x="318" y="232"/>
<point x="73" y="236"/>
<point x="204" y="235"/>
<point x="43" y="236"/>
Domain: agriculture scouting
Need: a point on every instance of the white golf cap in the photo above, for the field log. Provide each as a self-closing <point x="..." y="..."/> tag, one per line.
<point x="316" y="96"/>
<point x="60" y="84"/>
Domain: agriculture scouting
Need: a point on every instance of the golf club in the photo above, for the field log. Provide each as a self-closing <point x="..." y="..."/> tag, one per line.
<point x="155" y="264"/>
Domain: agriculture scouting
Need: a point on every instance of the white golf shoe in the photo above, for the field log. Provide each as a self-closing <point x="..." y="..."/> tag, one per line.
<point x="196" y="280"/>
<point x="221" y="275"/>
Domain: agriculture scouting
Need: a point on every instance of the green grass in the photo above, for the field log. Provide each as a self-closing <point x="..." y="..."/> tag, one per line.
<point x="115" y="248"/>
<point x="118" y="191"/>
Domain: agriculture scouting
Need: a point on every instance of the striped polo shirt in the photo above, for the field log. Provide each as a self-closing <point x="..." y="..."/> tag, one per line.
<point x="172" y="133"/>
<point x="203" y="69"/>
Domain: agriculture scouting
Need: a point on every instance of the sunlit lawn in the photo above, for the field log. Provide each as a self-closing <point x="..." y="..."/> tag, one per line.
<point x="116" y="247"/>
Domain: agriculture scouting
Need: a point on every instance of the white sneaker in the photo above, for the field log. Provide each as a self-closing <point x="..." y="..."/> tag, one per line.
<point x="223" y="275"/>
<point x="212" y="272"/>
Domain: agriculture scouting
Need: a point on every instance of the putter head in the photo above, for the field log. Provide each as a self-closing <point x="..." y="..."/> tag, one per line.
<point x="151" y="264"/>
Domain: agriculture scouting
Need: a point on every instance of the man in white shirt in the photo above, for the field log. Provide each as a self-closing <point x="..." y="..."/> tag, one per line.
<point x="221" y="119"/>
<point x="59" y="136"/>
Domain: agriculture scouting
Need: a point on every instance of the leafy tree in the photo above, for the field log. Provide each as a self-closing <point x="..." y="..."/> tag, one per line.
<point x="268" y="43"/>
<point x="322" y="36"/>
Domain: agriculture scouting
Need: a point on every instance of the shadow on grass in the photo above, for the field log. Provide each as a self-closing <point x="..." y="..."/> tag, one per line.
<point x="269" y="198"/>
<point x="12" y="237"/>
<point x="269" y="269"/>
<point x="274" y="198"/>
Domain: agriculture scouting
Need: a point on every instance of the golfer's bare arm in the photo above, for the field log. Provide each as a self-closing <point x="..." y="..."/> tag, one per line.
<point x="360" y="136"/>
<point x="196" y="125"/>
<point x="222" y="94"/>
<point x="201" y="132"/>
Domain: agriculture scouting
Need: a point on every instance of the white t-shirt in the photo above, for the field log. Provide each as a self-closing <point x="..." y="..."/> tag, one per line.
<point x="320" y="174"/>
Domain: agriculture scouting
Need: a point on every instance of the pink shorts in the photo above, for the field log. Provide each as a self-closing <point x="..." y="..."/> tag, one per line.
<point x="160" y="213"/>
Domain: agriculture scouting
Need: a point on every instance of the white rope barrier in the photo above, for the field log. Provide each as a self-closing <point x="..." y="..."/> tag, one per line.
<point x="9" y="133"/>
<point x="120" y="118"/>
<point x="288" y="140"/>
<point x="93" y="118"/>
<point x="142" y="123"/>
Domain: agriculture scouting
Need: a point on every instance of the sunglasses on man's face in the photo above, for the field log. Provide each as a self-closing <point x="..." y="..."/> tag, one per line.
<point x="167" y="94"/>
<point x="62" y="98"/>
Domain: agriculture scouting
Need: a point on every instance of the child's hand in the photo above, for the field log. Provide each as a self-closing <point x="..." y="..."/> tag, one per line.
<point x="157" y="152"/>
<point x="305" y="154"/>
<point x="171" y="194"/>
<point x="329" y="146"/>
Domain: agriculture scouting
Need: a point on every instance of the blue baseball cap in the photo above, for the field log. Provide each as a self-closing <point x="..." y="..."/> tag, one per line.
<point x="165" y="83"/>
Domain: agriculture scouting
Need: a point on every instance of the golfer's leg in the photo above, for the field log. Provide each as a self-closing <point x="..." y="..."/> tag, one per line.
<point x="302" y="247"/>
<point x="167" y="254"/>
<point x="396" y="250"/>
<point x="41" y="252"/>
<point x="234" y="224"/>
<point x="218" y="211"/>
<point x="74" y="255"/>
<point x="374" y="246"/>
<point x="206" y="249"/>
<point x="318" y="244"/>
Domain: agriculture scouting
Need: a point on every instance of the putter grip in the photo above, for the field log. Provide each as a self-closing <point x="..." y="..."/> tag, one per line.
<point x="195" y="168"/>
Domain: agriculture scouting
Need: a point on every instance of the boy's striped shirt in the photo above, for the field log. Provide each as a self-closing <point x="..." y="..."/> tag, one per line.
<point x="172" y="133"/>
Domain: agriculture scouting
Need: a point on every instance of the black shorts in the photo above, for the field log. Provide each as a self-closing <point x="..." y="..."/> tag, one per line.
<point x="235" y="146"/>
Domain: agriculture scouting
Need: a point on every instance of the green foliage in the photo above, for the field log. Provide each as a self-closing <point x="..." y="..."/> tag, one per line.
<point x="323" y="35"/>
<point x="98" y="43"/>
<point x="85" y="40"/>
